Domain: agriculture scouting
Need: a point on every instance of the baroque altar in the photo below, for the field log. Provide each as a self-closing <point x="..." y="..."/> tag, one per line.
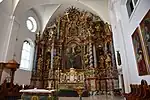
<point x="71" y="79"/>
<point x="76" y="49"/>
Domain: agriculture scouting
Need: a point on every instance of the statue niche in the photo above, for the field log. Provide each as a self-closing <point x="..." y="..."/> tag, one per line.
<point x="73" y="56"/>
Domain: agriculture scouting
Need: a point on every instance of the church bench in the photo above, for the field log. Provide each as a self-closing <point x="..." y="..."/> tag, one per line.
<point x="129" y="95"/>
<point x="10" y="91"/>
<point x="139" y="91"/>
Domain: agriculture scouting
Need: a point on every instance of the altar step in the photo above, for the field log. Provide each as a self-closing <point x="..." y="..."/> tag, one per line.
<point x="98" y="97"/>
<point x="71" y="93"/>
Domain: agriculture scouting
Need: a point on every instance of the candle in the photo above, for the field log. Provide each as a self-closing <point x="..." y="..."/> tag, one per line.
<point x="23" y="86"/>
<point x="49" y="84"/>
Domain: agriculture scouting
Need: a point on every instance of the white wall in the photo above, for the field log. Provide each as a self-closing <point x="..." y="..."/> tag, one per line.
<point x="119" y="42"/>
<point x="45" y="12"/>
<point x="5" y="26"/>
<point x="123" y="28"/>
<point x="99" y="6"/>
<point x="22" y="76"/>
<point x="6" y="20"/>
<point x="13" y="42"/>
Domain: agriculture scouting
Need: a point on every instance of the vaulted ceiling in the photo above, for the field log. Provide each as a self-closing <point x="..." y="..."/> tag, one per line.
<point x="48" y="9"/>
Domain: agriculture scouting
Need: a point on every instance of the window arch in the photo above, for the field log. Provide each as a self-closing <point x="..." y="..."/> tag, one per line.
<point x="27" y="56"/>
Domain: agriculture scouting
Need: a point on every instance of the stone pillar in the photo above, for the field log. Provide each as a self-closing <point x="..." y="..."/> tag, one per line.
<point x="8" y="39"/>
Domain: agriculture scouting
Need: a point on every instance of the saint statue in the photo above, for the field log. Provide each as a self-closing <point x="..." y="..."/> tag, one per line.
<point x="108" y="61"/>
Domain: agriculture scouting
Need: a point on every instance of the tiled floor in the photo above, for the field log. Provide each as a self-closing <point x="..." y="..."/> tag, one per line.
<point x="98" y="97"/>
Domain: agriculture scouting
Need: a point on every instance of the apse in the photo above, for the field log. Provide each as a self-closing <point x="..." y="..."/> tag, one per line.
<point x="74" y="49"/>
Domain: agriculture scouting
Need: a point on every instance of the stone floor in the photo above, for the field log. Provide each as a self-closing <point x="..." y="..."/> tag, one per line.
<point x="98" y="97"/>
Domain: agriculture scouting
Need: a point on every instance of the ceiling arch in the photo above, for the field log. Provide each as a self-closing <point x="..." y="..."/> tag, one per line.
<point x="49" y="9"/>
<point x="62" y="8"/>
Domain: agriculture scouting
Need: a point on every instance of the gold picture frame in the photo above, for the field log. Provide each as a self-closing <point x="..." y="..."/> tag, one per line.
<point x="145" y="34"/>
<point x="139" y="53"/>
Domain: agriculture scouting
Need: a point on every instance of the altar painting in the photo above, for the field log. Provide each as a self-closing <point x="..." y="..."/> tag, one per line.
<point x="139" y="54"/>
<point x="145" y="30"/>
<point x="73" y="56"/>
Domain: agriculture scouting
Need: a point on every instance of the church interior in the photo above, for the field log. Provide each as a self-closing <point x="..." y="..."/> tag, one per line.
<point x="74" y="50"/>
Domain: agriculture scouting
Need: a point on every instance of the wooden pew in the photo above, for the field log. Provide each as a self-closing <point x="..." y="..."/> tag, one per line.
<point x="10" y="91"/>
<point x="129" y="95"/>
<point x="139" y="91"/>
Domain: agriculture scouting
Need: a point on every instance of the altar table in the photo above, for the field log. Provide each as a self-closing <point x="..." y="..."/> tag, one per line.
<point x="37" y="94"/>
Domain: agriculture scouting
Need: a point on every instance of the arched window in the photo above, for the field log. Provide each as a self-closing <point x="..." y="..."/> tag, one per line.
<point x="1" y="1"/>
<point x="31" y="24"/>
<point x="26" y="56"/>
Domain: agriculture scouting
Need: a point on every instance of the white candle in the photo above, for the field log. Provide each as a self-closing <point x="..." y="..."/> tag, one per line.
<point x="23" y="86"/>
<point x="49" y="85"/>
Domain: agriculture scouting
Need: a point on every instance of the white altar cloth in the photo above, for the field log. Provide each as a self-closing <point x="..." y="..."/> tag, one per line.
<point x="35" y="90"/>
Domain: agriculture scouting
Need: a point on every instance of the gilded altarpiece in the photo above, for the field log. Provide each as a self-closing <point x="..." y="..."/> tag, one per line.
<point x="76" y="49"/>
